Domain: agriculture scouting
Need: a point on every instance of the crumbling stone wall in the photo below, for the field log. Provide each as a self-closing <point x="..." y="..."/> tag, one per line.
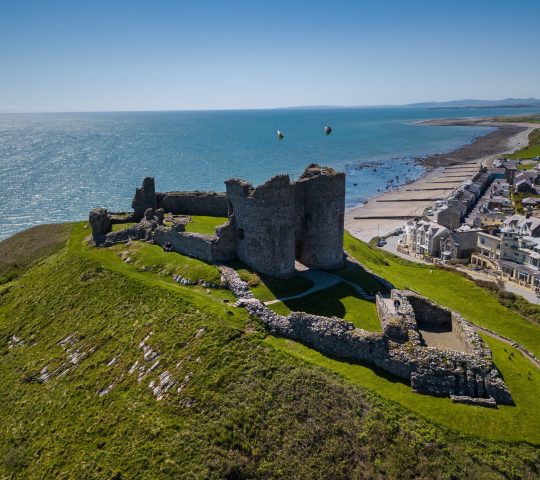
<point x="392" y="323"/>
<point x="269" y="226"/>
<point x="209" y="248"/>
<point x="320" y="210"/>
<point x="145" y="198"/>
<point x="428" y="313"/>
<point x="469" y="378"/>
<point x="210" y="204"/>
<point x="101" y="224"/>
<point x="264" y="219"/>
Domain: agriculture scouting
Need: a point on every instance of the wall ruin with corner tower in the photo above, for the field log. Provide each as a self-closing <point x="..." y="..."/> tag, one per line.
<point x="269" y="226"/>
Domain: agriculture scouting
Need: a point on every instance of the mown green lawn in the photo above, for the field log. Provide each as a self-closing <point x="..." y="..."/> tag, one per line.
<point x="206" y="225"/>
<point x="266" y="288"/>
<point x="340" y="301"/>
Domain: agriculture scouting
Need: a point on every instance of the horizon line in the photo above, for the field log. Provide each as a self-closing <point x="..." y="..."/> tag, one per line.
<point x="420" y="104"/>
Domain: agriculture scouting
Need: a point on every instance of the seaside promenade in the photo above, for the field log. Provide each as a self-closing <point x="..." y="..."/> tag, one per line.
<point x="384" y="213"/>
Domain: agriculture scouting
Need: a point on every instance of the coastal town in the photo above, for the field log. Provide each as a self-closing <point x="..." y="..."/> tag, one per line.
<point x="481" y="217"/>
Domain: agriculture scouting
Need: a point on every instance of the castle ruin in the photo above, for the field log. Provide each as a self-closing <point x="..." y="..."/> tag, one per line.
<point x="268" y="228"/>
<point x="272" y="226"/>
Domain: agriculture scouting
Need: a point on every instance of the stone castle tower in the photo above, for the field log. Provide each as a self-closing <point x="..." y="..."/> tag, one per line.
<point x="279" y="221"/>
<point x="320" y="211"/>
<point x="264" y="221"/>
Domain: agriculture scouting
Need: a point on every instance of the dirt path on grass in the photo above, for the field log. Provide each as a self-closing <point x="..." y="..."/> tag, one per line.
<point x="528" y="355"/>
<point x="321" y="281"/>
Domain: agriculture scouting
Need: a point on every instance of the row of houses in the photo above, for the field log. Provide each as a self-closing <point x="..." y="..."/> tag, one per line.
<point x="514" y="250"/>
<point x="478" y="225"/>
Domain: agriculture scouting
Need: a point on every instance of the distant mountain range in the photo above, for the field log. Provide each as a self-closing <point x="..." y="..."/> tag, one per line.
<point x="468" y="103"/>
<point x="471" y="103"/>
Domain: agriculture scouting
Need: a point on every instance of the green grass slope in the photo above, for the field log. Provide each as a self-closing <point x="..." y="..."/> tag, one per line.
<point x="475" y="303"/>
<point x="530" y="151"/>
<point x="240" y="407"/>
<point x="20" y="251"/>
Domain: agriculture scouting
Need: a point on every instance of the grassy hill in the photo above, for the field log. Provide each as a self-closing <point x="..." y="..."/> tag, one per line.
<point x="530" y="151"/>
<point x="90" y="340"/>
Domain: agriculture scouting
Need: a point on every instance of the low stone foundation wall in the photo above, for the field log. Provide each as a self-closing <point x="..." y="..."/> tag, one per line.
<point x="429" y="313"/>
<point x="429" y="370"/>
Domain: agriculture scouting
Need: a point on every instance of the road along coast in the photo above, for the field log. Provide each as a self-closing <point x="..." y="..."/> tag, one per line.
<point x="445" y="172"/>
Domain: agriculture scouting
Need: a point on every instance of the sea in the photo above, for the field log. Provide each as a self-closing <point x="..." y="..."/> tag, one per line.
<point x="55" y="167"/>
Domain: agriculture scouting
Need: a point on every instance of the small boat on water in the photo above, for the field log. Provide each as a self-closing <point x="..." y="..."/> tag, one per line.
<point x="327" y="130"/>
<point x="279" y="135"/>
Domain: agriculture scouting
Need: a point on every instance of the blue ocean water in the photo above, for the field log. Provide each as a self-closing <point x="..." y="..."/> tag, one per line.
<point x="56" y="167"/>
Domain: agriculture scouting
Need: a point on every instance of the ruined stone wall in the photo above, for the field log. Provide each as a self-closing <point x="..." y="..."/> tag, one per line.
<point x="264" y="218"/>
<point x="427" y="312"/>
<point x="209" y="248"/>
<point x="192" y="244"/>
<point x="429" y="370"/>
<point x="270" y="225"/>
<point x="320" y="210"/>
<point x="145" y="198"/>
<point x="392" y="323"/>
<point x="210" y="204"/>
<point x="224" y="247"/>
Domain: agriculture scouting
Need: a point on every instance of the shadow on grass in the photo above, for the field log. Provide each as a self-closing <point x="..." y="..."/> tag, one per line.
<point x="267" y="288"/>
<point x="341" y="300"/>
<point x="352" y="272"/>
<point x="327" y="303"/>
<point x="374" y="368"/>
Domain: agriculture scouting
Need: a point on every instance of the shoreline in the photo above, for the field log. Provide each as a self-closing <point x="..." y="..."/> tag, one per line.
<point x="385" y="212"/>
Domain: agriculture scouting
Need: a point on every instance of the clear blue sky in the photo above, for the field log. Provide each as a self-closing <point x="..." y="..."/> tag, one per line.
<point x="165" y="55"/>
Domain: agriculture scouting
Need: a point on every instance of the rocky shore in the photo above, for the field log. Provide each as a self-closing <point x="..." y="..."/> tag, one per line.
<point x="494" y="143"/>
<point x="384" y="213"/>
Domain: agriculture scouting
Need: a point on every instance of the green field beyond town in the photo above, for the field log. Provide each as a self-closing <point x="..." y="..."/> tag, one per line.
<point x="86" y="316"/>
